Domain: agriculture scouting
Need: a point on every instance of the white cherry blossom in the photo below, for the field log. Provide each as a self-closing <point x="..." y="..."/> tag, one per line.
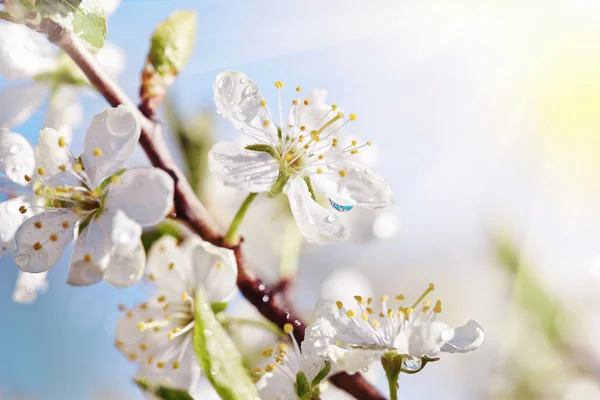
<point x="157" y="335"/>
<point x="92" y="198"/>
<point x="297" y="157"/>
<point x="27" y="58"/>
<point x="278" y="379"/>
<point x="355" y="337"/>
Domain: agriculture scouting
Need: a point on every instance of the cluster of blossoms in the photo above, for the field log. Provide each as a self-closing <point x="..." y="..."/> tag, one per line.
<point x="93" y="200"/>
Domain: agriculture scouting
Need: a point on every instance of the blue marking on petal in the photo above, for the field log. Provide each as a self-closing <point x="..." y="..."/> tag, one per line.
<point x="340" y="207"/>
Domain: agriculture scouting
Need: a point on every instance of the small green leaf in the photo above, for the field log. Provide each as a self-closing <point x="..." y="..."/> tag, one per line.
<point x="162" y="392"/>
<point x="302" y="387"/>
<point x="218" y="356"/>
<point x="85" y="18"/>
<point x="277" y="187"/>
<point x="219" y="307"/>
<point x="322" y="374"/>
<point x="173" y="42"/>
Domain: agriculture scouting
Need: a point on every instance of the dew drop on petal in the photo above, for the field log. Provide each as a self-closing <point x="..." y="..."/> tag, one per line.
<point x="411" y="364"/>
<point x="215" y="368"/>
<point x="331" y="218"/>
<point x="15" y="148"/>
<point x="208" y="333"/>
<point x="340" y="207"/>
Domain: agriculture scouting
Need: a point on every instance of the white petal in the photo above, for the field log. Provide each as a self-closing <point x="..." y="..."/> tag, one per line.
<point x="354" y="360"/>
<point x="51" y="157"/>
<point x="276" y="387"/>
<point x="24" y="52"/>
<point x="110" y="6"/>
<point x="109" y="141"/>
<point x="215" y="269"/>
<point x="314" y="115"/>
<point x="467" y="338"/>
<point x="427" y="339"/>
<point x="127" y="257"/>
<point x="316" y="223"/>
<point x="91" y="253"/>
<point x="247" y="170"/>
<point x="17" y="157"/>
<point x="126" y="267"/>
<point x="64" y="113"/>
<point x="28" y="236"/>
<point x="28" y="286"/>
<point x="169" y="265"/>
<point x="360" y="186"/>
<point x="18" y="103"/>
<point x="238" y="99"/>
<point x="111" y="59"/>
<point x="10" y="220"/>
<point x="144" y="194"/>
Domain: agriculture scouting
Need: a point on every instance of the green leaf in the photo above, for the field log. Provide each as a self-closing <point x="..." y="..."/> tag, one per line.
<point x="322" y="374"/>
<point x="218" y="307"/>
<point x="302" y="387"/>
<point x="218" y="356"/>
<point x="264" y="148"/>
<point x="162" y="392"/>
<point x="166" y="227"/>
<point x="85" y="18"/>
<point x="173" y="42"/>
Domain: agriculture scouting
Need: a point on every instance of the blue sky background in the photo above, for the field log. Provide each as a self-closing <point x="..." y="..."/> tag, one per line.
<point x="464" y="104"/>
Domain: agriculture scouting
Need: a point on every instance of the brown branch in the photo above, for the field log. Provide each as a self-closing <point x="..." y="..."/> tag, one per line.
<point x="270" y="303"/>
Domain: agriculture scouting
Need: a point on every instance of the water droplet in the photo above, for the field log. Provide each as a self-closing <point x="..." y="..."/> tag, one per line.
<point x="261" y="287"/>
<point x="15" y="148"/>
<point x="368" y="171"/>
<point x="412" y="363"/>
<point x="215" y="368"/>
<point x="208" y="333"/>
<point x="340" y="207"/>
<point x="311" y="220"/>
<point x="265" y="298"/>
<point x="243" y="80"/>
<point x="331" y="218"/>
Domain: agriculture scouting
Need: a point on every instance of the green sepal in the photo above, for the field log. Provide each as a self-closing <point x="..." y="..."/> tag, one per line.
<point x="264" y="148"/>
<point x="301" y="386"/>
<point x="219" y="306"/>
<point x="310" y="188"/>
<point x="84" y="224"/>
<point x="173" y="42"/>
<point x="220" y="360"/>
<point x="162" y="392"/>
<point x="277" y="187"/>
<point x="322" y="374"/>
<point x="167" y="227"/>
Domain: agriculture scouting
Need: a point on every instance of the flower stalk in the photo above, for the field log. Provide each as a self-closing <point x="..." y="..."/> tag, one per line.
<point x="231" y="237"/>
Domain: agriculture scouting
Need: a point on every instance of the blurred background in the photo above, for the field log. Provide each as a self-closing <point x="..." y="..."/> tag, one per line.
<point x="486" y="121"/>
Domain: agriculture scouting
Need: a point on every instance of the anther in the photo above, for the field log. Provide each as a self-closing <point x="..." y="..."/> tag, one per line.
<point x="369" y="310"/>
<point x="160" y="364"/>
<point x="37" y="246"/>
<point x="143" y="347"/>
<point x="354" y="152"/>
<point x="132" y="356"/>
<point x="266" y="123"/>
<point x="151" y="277"/>
<point x="295" y="102"/>
<point x="375" y="323"/>
<point x="302" y="128"/>
<point x="343" y="173"/>
<point x="64" y="224"/>
<point x="400" y="297"/>
<point x="288" y="328"/>
<point x="161" y="298"/>
<point x="27" y="178"/>
<point x="438" y="307"/>
<point x="54" y="238"/>
<point x="38" y="224"/>
<point x="270" y="368"/>
<point x="334" y="107"/>
<point x="41" y="171"/>
<point x="121" y="307"/>
<point x="339" y="304"/>
<point x="171" y="266"/>
<point x="352" y="116"/>
<point x="87" y="258"/>
<point x="62" y="168"/>
<point x="354" y="143"/>
<point x="350" y="313"/>
<point x="298" y="89"/>
<point x="62" y="142"/>
<point x="359" y="299"/>
<point x="365" y="316"/>
<point x="319" y="170"/>
<point x="22" y="209"/>
<point x="175" y="364"/>
<point x="119" y="344"/>
<point x="278" y="84"/>
<point x="266" y="353"/>
<point x="263" y="103"/>
<point x="77" y="167"/>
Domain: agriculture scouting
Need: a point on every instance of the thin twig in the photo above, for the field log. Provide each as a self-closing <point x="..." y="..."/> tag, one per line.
<point x="189" y="209"/>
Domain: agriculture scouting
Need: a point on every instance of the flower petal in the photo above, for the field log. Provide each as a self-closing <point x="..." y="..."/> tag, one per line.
<point x="316" y="223"/>
<point x="64" y="112"/>
<point x="169" y="265"/>
<point x="215" y="269"/>
<point x="28" y="286"/>
<point x="315" y="114"/>
<point x="466" y="338"/>
<point x="91" y="253"/>
<point x="110" y="6"/>
<point x="42" y="238"/>
<point x="18" y="103"/>
<point x="11" y="219"/>
<point x="111" y="59"/>
<point x="238" y="99"/>
<point x="24" y="53"/>
<point x="354" y="360"/>
<point x="109" y="141"/>
<point x="144" y="194"/>
<point x="51" y="158"/>
<point x="427" y="339"/>
<point x="17" y="157"/>
<point x="247" y="170"/>
<point x="275" y="387"/>
<point x="127" y="257"/>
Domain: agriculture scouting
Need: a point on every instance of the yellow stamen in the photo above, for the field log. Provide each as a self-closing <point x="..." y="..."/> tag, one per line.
<point x="295" y="102"/>
<point x="350" y="313"/>
<point x="97" y="152"/>
<point x="343" y="173"/>
<point x="62" y="142"/>
<point x="266" y="123"/>
<point x="430" y="289"/>
<point x="87" y="258"/>
<point x="38" y="224"/>
<point x="298" y="89"/>
<point x="352" y="116"/>
<point x="41" y="171"/>
<point x="54" y="238"/>
<point x="278" y="84"/>
<point x="438" y="307"/>
<point x="339" y="304"/>
<point x="288" y="328"/>
<point x="266" y="353"/>
<point x="263" y="103"/>
<point x="37" y="246"/>
<point x="359" y="299"/>
<point x="27" y="178"/>
<point x="305" y="102"/>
